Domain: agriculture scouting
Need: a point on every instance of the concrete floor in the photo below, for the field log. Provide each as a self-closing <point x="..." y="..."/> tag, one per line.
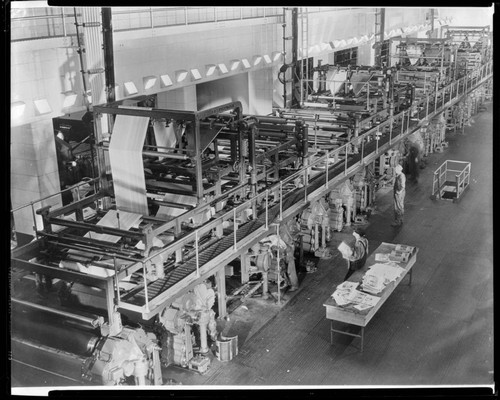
<point x="439" y="331"/>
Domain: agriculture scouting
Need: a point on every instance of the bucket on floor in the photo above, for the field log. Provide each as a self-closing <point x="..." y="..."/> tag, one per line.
<point x="227" y="348"/>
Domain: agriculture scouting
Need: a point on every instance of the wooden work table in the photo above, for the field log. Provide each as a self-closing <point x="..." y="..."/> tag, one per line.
<point x="350" y="315"/>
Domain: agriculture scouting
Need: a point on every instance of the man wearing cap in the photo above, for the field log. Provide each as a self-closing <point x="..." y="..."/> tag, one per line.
<point x="399" y="195"/>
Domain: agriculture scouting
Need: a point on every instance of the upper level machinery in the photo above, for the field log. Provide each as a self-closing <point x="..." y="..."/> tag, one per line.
<point x="130" y="273"/>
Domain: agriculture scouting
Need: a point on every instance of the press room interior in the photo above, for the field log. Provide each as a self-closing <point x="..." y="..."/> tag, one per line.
<point x="216" y="197"/>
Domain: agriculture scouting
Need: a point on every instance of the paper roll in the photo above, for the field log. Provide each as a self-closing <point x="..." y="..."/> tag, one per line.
<point x="125" y="155"/>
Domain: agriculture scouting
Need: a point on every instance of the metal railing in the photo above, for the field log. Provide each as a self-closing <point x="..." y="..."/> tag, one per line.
<point x="74" y="189"/>
<point x="59" y="21"/>
<point x="50" y="22"/>
<point x="395" y="127"/>
<point x="448" y="173"/>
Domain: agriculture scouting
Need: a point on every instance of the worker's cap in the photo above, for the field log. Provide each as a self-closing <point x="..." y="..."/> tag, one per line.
<point x="398" y="169"/>
<point x="358" y="234"/>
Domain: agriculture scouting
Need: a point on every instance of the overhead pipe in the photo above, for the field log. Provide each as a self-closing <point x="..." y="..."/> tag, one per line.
<point x="61" y="313"/>
<point x="109" y="65"/>
<point x="80" y="52"/>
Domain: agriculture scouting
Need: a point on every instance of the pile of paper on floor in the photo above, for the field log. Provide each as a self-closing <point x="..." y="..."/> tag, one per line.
<point x="379" y="276"/>
<point x="346" y="293"/>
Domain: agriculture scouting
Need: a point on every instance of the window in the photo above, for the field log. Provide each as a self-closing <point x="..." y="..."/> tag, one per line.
<point x="346" y="57"/>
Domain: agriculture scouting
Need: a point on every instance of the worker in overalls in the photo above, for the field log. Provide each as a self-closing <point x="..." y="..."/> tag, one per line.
<point x="399" y="195"/>
<point x="291" y="270"/>
<point x="359" y="252"/>
<point x="414" y="162"/>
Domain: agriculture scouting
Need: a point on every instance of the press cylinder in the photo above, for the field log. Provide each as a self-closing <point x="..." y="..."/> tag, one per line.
<point x="54" y="331"/>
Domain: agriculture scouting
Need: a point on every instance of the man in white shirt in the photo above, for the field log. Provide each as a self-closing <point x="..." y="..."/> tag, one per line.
<point x="399" y="195"/>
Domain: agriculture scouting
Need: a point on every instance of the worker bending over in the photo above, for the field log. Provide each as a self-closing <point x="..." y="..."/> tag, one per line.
<point x="357" y="257"/>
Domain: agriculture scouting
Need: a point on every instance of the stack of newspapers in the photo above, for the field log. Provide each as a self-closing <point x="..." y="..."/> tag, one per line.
<point x="379" y="276"/>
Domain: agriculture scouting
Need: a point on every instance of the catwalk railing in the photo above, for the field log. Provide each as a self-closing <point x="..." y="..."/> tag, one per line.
<point x="282" y="200"/>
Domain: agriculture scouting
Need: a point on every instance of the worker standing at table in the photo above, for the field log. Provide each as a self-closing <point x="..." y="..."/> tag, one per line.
<point x="359" y="252"/>
<point x="399" y="195"/>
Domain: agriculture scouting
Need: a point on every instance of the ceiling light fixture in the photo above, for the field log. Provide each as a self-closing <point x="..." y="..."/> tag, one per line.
<point x="42" y="106"/>
<point x="223" y="68"/>
<point x="245" y="63"/>
<point x="165" y="81"/>
<point x="234" y="64"/>
<point x="69" y="98"/>
<point x="196" y="74"/>
<point x="256" y="60"/>
<point x="148" y="82"/>
<point x="276" y="55"/>
<point x="17" y="109"/>
<point x="130" y="88"/>
<point x="210" y="69"/>
<point x="181" y="75"/>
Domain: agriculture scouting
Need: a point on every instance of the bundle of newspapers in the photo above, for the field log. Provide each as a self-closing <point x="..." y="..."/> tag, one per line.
<point x="346" y="293"/>
<point x="379" y="276"/>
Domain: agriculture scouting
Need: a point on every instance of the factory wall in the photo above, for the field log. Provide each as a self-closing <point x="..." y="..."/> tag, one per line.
<point x="34" y="172"/>
<point x="402" y="17"/>
<point x="41" y="72"/>
<point x="48" y="70"/>
<point x="342" y="24"/>
<point x="168" y="50"/>
<point x="183" y="98"/>
<point x="469" y="16"/>
<point x="260" y="91"/>
<point x="222" y="91"/>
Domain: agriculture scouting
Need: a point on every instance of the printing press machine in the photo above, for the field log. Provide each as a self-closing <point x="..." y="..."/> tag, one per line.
<point x="122" y="293"/>
<point x="105" y="295"/>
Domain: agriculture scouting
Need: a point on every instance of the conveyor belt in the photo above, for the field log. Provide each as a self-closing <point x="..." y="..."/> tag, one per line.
<point x="179" y="273"/>
<point x="212" y="251"/>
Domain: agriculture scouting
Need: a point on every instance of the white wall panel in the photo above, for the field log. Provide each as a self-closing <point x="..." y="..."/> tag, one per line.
<point x="222" y="91"/>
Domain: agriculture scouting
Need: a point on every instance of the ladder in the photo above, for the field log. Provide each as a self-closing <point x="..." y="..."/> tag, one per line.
<point x="379" y="34"/>
<point x="304" y="60"/>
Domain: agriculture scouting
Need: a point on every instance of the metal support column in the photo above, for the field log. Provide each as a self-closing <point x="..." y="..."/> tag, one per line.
<point x="109" y="64"/>
<point x="220" y="277"/>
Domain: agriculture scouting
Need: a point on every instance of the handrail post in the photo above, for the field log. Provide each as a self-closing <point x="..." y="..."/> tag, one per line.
<point x="345" y="164"/>
<point x="436" y="98"/>
<point x="402" y="122"/>
<point x="281" y="200"/>
<point x="197" y="253"/>
<point x="305" y="185"/>
<point x="115" y="281"/>
<point x="267" y="209"/>
<point x="34" y="220"/>
<point x="390" y="132"/>
<point x="235" y="227"/>
<point x="278" y="266"/>
<point x="327" y="159"/>
<point x="145" y="285"/>
<point x="363" y="149"/>
<point x="427" y="106"/>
